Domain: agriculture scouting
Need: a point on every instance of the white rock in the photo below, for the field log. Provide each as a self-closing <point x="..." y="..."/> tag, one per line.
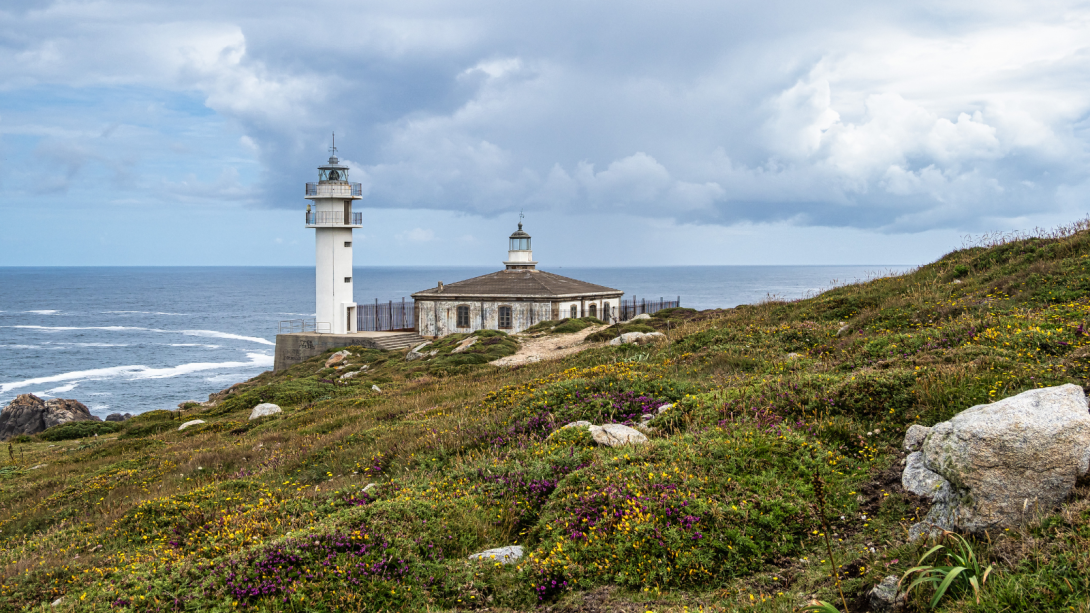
<point x="57" y="602"/>
<point x="190" y="423"/>
<point x="616" y="435"/>
<point x="375" y="388"/>
<point x="369" y="487"/>
<point x="349" y="375"/>
<point x="503" y="555"/>
<point x="640" y="316"/>
<point x="337" y="358"/>
<point x="420" y="346"/>
<point x="465" y="344"/>
<point x="264" y="410"/>
<point x="665" y="407"/>
<point x="1005" y="461"/>
<point x="639" y="338"/>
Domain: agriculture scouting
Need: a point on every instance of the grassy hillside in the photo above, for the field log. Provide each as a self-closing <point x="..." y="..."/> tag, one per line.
<point x="717" y="513"/>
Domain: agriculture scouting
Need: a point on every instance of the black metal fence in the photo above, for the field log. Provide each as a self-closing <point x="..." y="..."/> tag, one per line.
<point x="381" y="317"/>
<point x="634" y="307"/>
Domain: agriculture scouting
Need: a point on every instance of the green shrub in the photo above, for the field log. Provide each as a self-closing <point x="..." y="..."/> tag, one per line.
<point x="79" y="429"/>
<point x="150" y="416"/>
<point x="147" y="429"/>
<point x="616" y="330"/>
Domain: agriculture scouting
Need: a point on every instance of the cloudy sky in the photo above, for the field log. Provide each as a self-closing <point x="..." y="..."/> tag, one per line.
<point x="631" y="132"/>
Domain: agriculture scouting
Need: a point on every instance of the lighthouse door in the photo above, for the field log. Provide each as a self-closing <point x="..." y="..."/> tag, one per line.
<point x="347" y="212"/>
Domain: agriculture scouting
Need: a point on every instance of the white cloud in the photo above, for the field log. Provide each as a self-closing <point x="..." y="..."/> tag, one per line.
<point x="416" y="235"/>
<point x="885" y="117"/>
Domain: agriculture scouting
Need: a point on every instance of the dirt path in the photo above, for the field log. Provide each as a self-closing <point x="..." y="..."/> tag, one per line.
<point x="548" y="347"/>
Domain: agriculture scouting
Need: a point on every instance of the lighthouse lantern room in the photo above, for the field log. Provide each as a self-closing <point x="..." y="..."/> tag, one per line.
<point x="333" y="220"/>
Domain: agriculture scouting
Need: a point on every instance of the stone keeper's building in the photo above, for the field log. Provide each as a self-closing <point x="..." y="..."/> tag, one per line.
<point x="512" y="299"/>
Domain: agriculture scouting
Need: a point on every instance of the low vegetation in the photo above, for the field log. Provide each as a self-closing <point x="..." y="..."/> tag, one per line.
<point x="720" y="511"/>
<point x="563" y="326"/>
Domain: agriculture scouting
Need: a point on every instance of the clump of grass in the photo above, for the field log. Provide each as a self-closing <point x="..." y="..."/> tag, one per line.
<point x="563" y="326"/>
<point x="964" y="569"/>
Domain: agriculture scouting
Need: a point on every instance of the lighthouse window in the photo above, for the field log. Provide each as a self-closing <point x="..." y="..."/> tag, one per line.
<point x="348" y="279"/>
<point x="505" y="317"/>
<point x="463" y="317"/>
<point x="347" y="243"/>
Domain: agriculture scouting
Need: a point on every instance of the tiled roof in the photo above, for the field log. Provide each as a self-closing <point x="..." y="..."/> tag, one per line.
<point x="517" y="283"/>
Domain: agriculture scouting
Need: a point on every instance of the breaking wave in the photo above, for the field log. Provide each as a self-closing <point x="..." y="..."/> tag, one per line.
<point x="138" y="372"/>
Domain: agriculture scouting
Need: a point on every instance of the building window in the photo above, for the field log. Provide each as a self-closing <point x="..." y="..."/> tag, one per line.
<point x="347" y="243"/>
<point x="594" y="310"/>
<point x="505" y="317"/>
<point x="574" y="311"/>
<point x="348" y="279"/>
<point x="463" y="316"/>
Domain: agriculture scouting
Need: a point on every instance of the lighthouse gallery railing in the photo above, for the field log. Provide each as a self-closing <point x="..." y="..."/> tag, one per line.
<point x="334" y="190"/>
<point x="333" y="218"/>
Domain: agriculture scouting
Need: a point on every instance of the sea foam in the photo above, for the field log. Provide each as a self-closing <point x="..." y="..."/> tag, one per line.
<point x="204" y="333"/>
<point x="137" y="372"/>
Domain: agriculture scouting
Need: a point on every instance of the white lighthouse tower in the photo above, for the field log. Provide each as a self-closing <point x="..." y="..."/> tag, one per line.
<point x="333" y="221"/>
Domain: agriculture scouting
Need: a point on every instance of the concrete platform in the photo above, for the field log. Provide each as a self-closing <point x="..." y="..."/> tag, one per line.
<point x="300" y="346"/>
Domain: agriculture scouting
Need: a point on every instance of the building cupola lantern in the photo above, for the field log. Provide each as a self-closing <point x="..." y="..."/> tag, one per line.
<point x="519" y="254"/>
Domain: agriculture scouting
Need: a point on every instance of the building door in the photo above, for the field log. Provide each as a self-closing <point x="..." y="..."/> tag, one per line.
<point x="350" y="324"/>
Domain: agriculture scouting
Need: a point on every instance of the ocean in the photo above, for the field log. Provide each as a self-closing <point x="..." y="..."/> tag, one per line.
<point x="132" y="339"/>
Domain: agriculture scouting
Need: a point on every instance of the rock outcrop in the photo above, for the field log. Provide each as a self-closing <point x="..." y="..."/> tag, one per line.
<point x="28" y="414"/>
<point x="638" y="338"/>
<point x="337" y="358"/>
<point x="465" y="344"/>
<point x="883" y="598"/>
<point x="192" y="422"/>
<point x="503" y="555"/>
<point x="610" y="435"/>
<point x="617" y="435"/>
<point x="994" y="465"/>
<point x="264" y="410"/>
<point x="118" y="416"/>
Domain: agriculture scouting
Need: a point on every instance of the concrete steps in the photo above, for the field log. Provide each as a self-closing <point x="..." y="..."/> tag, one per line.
<point x="403" y="340"/>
